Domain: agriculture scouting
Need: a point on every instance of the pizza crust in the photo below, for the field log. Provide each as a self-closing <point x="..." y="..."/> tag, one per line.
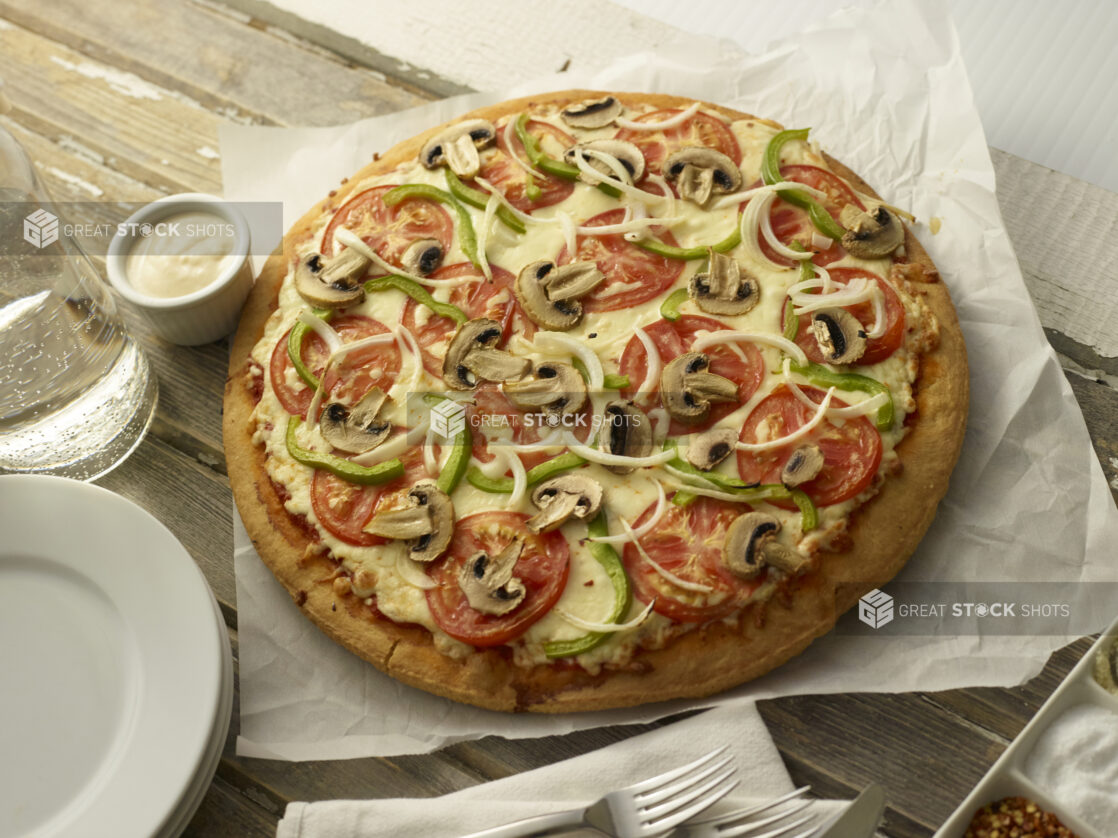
<point x="883" y="532"/>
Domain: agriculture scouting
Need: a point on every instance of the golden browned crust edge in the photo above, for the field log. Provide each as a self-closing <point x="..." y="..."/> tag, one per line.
<point x="884" y="533"/>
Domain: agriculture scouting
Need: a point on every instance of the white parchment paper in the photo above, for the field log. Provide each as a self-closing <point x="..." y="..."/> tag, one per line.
<point x="887" y="93"/>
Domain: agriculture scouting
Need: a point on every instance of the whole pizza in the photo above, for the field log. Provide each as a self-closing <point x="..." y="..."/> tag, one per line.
<point x="589" y="400"/>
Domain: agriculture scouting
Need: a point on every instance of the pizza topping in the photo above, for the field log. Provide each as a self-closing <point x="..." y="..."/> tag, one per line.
<point x="331" y="282"/>
<point x="627" y="433"/>
<point x="840" y="335"/>
<point x="550" y="293"/>
<point x="612" y="158"/>
<point x="553" y="386"/>
<point x="871" y="234"/>
<point x="356" y="429"/>
<point x="805" y="464"/>
<point x="425" y="525"/>
<point x="457" y="147"/>
<point x="700" y="172"/>
<point x="751" y="544"/>
<point x="562" y="498"/>
<point x="423" y="256"/>
<point x="771" y="173"/>
<point x="338" y="466"/>
<point x="688" y="389"/>
<point x="709" y="449"/>
<point x="710" y="339"/>
<point x="488" y="582"/>
<point x="820" y="376"/>
<point x="592" y="113"/>
<point x="664" y="124"/>
<point x="722" y="289"/>
<point x="473" y="356"/>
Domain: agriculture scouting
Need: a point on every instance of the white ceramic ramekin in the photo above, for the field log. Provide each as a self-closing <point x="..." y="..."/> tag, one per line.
<point x="202" y="316"/>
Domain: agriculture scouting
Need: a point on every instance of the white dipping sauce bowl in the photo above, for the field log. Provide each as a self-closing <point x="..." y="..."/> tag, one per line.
<point x="202" y="316"/>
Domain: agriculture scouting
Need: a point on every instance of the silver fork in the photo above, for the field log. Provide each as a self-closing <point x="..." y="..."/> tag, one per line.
<point x="774" y="819"/>
<point x="646" y="809"/>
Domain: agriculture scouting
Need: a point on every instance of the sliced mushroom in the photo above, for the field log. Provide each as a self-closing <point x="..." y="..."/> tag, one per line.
<point x="626" y="153"/>
<point x="426" y="525"/>
<point x="553" y="387"/>
<point x="709" y="449"/>
<point x="422" y="257"/>
<point x="549" y="293"/>
<point x="627" y="433"/>
<point x="805" y="464"/>
<point x="872" y="234"/>
<point x="840" y="335"/>
<point x="722" y="289"/>
<point x="331" y="282"/>
<point x="473" y="356"/>
<point x="562" y="498"/>
<point x="751" y="544"/>
<point x="457" y="147"/>
<point x="699" y="172"/>
<point x="488" y="582"/>
<point x="359" y="428"/>
<point x="687" y="389"/>
<point x="592" y="113"/>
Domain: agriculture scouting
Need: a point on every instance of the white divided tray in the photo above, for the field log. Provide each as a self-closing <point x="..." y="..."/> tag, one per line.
<point x="1007" y="778"/>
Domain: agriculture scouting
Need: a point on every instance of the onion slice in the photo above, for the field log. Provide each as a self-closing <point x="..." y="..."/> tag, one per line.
<point x="655" y="362"/>
<point x="411" y="572"/>
<point x="726" y="336"/>
<point x="604" y="628"/>
<point x="643" y="529"/>
<point x="803" y="430"/>
<point x="667" y="574"/>
<point x="351" y="239"/>
<point x="670" y="122"/>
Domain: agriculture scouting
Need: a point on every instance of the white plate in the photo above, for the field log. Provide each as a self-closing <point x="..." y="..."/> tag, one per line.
<point x="111" y="661"/>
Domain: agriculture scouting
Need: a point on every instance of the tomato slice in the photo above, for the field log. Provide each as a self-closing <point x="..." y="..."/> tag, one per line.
<point x="543" y="567"/>
<point x="672" y="340"/>
<point x="503" y="172"/>
<point x="493" y="299"/>
<point x="791" y="223"/>
<point x="877" y="349"/>
<point x="701" y="129"/>
<point x="389" y="230"/>
<point x="356" y="375"/>
<point x="344" y="508"/>
<point x="633" y="275"/>
<point x="851" y="453"/>
<point x="687" y="542"/>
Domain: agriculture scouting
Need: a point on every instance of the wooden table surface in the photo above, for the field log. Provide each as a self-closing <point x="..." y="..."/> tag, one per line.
<point x="122" y="102"/>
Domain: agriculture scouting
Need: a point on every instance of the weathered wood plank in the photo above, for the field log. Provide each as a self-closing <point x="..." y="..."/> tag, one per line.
<point x="214" y="57"/>
<point x="1099" y="403"/>
<point x="225" y="813"/>
<point x="1064" y="231"/>
<point x="156" y="136"/>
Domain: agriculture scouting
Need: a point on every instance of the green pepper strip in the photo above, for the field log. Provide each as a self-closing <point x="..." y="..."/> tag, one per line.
<point x="532" y="190"/>
<point x="687" y="254"/>
<point x="610" y="381"/>
<point x="451" y="474"/>
<point x="337" y="466"/>
<point x="669" y="309"/>
<point x="536" y="474"/>
<point x="791" y="321"/>
<point x="748" y="492"/>
<point x="820" y="376"/>
<point x="467" y="238"/>
<point x="418" y="293"/>
<point x="684" y="498"/>
<point x="770" y="173"/>
<point x="471" y="196"/>
<point x="607" y="557"/>
<point x="295" y="346"/>
<point x="543" y="161"/>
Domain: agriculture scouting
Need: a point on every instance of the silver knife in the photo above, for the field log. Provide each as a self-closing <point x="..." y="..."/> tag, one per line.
<point x="861" y="818"/>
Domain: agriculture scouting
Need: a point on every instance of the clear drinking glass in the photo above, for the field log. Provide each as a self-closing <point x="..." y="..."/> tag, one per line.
<point x="76" y="392"/>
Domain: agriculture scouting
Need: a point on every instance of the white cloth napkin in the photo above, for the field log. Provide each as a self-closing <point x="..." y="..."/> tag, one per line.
<point x="574" y="782"/>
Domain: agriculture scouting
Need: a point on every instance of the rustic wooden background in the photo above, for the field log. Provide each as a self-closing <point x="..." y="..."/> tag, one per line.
<point x="122" y="101"/>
